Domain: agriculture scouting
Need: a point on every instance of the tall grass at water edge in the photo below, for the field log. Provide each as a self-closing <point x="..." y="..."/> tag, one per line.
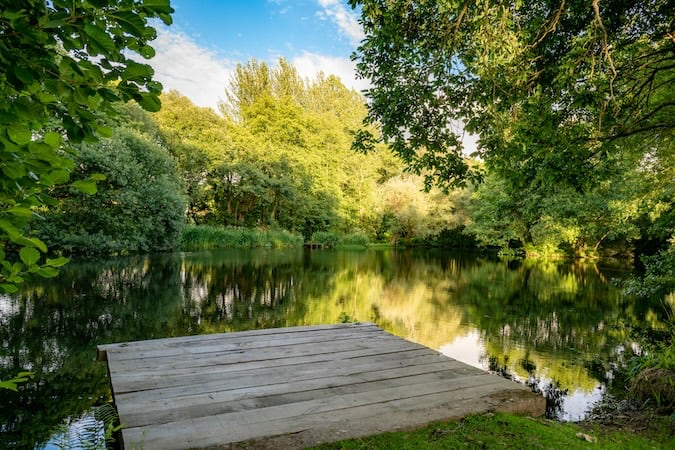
<point x="329" y="239"/>
<point x="206" y="237"/>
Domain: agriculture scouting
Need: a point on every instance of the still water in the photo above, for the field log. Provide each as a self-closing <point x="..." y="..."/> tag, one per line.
<point x="561" y="328"/>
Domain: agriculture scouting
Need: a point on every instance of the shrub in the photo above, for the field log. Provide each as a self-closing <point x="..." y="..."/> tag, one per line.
<point x="138" y="206"/>
<point x="325" y="238"/>
<point x="356" y="239"/>
<point x="653" y="376"/>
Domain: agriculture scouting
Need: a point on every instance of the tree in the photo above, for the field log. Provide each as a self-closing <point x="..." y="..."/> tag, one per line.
<point x="64" y="63"/>
<point x="571" y="100"/>
<point x="551" y="86"/>
<point x="406" y="212"/>
<point x="280" y="120"/>
<point x="255" y="80"/>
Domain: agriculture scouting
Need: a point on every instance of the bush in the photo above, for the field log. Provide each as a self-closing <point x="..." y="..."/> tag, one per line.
<point x="325" y="238"/>
<point x="658" y="280"/>
<point x="138" y="207"/>
<point x="355" y="239"/>
<point x="653" y="375"/>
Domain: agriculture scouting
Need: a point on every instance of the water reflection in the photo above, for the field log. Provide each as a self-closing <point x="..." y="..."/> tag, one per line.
<point x="558" y="327"/>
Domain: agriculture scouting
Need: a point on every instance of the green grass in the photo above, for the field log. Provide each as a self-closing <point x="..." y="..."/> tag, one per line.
<point x="206" y="237"/>
<point x="353" y="240"/>
<point x="381" y="245"/>
<point x="503" y="431"/>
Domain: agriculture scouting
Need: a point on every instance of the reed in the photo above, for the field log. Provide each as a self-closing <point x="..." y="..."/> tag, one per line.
<point x="356" y="240"/>
<point x="206" y="237"/>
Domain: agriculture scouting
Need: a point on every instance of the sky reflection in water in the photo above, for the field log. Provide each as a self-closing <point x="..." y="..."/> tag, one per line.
<point x="556" y="326"/>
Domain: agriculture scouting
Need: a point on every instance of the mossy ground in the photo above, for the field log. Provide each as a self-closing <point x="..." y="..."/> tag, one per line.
<point x="503" y="431"/>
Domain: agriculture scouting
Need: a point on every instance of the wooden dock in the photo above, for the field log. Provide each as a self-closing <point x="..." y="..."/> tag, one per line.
<point x="293" y="387"/>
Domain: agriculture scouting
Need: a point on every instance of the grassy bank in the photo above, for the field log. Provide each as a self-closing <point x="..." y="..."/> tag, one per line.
<point x="205" y="237"/>
<point x="503" y="431"/>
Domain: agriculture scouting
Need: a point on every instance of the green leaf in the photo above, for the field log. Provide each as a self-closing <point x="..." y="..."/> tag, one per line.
<point x="20" y="211"/>
<point x="19" y="133"/>
<point x="154" y="86"/>
<point x="10" y="229"/>
<point x="8" y="288"/>
<point x="108" y="95"/>
<point x="24" y="75"/>
<point x="31" y="242"/>
<point x="14" y="170"/>
<point x="150" y="102"/>
<point x="105" y="132"/>
<point x="131" y="23"/>
<point x="29" y="256"/>
<point x="146" y="52"/>
<point x="166" y="18"/>
<point x="100" y="38"/>
<point x="137" y="71"/>
<point x="57" y="262"/>
<point x="47" y="98"/>
<point x="8" y="385"/>
<point x="7" y="145"/>
<point x="99" y="3"/>
<point x="53" y="139"/>
<point x="55" y="177"/>
<point x="162" y="5"/>
<point x="47" y="272"/>
<point x="85" y="186"/>
<point x="97" y="177"/>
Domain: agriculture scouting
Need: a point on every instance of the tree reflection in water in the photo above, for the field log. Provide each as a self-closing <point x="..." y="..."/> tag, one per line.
<point x="559" y="327"/>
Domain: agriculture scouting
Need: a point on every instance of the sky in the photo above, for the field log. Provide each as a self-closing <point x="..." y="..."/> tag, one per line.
<point x="208" y="38"/>
<point x="197" y="54"/>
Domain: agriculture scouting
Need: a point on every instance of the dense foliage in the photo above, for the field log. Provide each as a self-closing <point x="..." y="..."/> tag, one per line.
<point x="572" y="100"/>
<point x="279" y="156"/>
<point x="576" y="154"/>
<point x="63" y="64"/>
<point x="138" y="207"/>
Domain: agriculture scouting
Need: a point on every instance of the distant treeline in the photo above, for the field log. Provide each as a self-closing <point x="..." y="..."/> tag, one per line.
<point x="278" y="156"/>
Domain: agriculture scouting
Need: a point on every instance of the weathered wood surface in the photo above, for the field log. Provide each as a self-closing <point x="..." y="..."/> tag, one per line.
<point x="292" y="387"/>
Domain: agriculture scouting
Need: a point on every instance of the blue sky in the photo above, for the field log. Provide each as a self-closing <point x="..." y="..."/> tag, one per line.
<point x="209" y="38"/>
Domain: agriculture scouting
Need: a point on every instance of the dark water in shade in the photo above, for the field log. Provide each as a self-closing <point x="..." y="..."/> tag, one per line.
<point x="560" y="327"/>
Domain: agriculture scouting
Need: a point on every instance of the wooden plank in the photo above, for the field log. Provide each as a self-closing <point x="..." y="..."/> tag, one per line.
<point x="386" y="351"/>
<point x="258" y="354"/>
<point x="284" y="370"/>
<point x="132" y="381"/>
<point x="262" y="376"/>
<point x="218" y="402"/>
<point x="227" y="340"/>
<point x="356" y="368"/>
<point x="177" y="341"/>
<point x="257" y="423"/>
<point x="134" y="346"/>
<point x="232" y="346"/>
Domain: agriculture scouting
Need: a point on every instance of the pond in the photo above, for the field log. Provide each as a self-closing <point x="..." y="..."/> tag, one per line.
<point x="560" y="327"/>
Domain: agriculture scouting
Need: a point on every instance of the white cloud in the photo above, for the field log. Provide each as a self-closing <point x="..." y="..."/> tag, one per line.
<point x="345" y="20"/>
<point x="194" y="71"/>
<point x="310" y="64"/>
